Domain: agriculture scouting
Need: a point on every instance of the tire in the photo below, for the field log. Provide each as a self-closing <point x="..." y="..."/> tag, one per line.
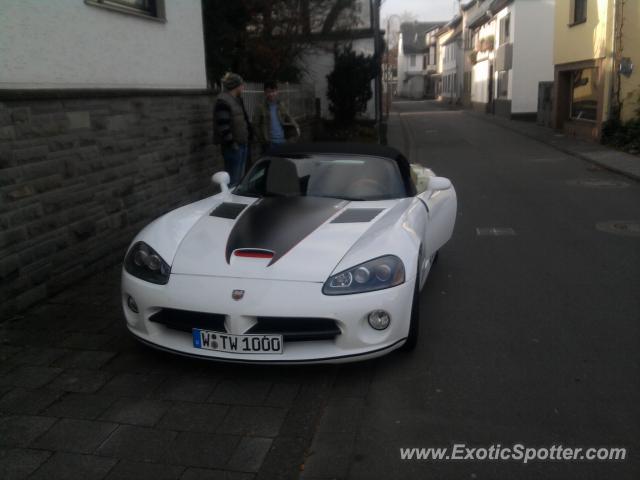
<point x="414" y="324"/>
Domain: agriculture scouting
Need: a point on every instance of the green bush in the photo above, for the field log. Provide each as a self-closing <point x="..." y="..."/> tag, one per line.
<point x="349" y="84"/>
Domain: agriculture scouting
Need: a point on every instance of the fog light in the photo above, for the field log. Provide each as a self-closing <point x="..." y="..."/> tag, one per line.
<point x="379" y="319"/>
<point x="131" y="303"/>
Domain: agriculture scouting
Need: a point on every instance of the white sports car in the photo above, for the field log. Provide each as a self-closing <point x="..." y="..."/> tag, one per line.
<point x="318" y="255"/>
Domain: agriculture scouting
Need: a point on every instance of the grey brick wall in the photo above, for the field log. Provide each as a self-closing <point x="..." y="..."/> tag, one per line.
<point x="79" y="177"/>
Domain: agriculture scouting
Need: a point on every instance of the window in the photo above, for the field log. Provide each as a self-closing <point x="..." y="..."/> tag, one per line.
<point x="467" y="82"/>
<point x="412" y="61"/>
<point x="152" y="9"/>
<point x="505" y="29"/>
<point x="424" y="62"/>
<point x="584" y="94"/>
<point x="578" y="11"/>
<point x="503" y="84"/>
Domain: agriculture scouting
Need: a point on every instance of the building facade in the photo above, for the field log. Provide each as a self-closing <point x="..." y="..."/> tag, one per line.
<point x="451" y="61"/>
<point x="418" y="59"/>
<point x="105" y="123"/>
<point x="596" y="45"/>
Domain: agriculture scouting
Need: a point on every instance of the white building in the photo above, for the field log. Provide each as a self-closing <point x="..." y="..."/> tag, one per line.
<point x="450" y="61"/>
<point x="513" y="54"/>
<point x="417" y="59"/>
<point x="96" y="44"/>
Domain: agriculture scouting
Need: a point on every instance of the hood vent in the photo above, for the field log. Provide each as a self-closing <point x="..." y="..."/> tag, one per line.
<point x="228" y="210"/>
<point x="357" y="215"/>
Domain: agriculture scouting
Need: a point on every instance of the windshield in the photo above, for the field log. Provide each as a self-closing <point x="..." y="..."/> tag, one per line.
<point x="350" y="177"/>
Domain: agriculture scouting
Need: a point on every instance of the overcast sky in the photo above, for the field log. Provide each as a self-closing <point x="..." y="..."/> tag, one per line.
<point x="426" y="10"/>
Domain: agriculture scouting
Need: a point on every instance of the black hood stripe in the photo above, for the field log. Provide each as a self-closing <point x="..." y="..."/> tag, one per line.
<point x="279" y="223"/>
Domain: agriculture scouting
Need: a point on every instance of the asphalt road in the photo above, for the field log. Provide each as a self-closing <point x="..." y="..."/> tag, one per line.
<point x="530" y="338"/>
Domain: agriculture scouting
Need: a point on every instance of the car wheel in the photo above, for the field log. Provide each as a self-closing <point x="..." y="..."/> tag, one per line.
<point x="414" y="324"/>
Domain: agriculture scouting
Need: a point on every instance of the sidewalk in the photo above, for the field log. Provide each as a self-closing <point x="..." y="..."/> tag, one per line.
<point x="606" y="157"/>
<point x="79" y="398"/>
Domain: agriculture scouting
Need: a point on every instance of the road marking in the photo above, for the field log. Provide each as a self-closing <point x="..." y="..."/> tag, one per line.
<point x="495" y="231"/>
<point x="597" y="183"/>
<point x="626" y="228"/>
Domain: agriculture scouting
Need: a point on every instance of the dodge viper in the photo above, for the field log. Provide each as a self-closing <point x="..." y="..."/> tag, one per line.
<point x="317" y="255"/>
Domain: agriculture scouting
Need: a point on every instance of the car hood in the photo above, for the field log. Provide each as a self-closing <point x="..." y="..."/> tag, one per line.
<point x="302" y="238"/>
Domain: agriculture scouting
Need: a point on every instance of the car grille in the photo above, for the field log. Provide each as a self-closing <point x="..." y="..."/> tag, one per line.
<point x="297" y="329"/>
<point x="185" y="321"/>
<point x="293" y="329"/>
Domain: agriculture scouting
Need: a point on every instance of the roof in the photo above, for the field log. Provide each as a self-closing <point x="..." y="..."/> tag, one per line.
<point x="413" y="35"/>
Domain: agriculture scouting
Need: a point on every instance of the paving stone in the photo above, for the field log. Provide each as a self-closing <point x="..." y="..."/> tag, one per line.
<point x="255" y="421"/>
<point x="194" y="417"/>
<point x="30" y="377"/>
<point x="250" y="454"/>
<point x="80" y="381"/>
<point x="35" y="356"/>
<point x="284" y="458"/>
<point x="21" y="400"/>
<point x="342" y="414"/>
<point x="206" y="450"/>
<point x="72" y="435"/>
<point x="282" y="394"/>
<point x="72" y="466"/>
<point x="18" y="463"/>
<point x="205" y="474"/>
<point x="21" y="430"/>
<point x="126" y="470"/>
<point x="139" y="444"/>
<point x="132" y="385"/>
<point x="186" y="389"/>
<point x="241" y="392"/>
<point x="137" y="411"/>
<point x="329" y="456"/>
<point x="89" y="341"/>
<point x="8" y="351"/>
<point x="87" y="359"/>
<point x="81" y="405"/>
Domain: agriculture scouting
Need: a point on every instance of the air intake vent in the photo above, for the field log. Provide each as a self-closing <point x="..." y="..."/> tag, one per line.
<point x="228" y="210"/>
<point x="357" y="215"/>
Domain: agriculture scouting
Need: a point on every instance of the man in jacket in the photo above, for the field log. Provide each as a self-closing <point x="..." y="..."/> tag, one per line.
<point x="274" y="124"/>
<point x="231" y="127"/>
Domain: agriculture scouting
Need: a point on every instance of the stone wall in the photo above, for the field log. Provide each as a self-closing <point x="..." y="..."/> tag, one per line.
<point x="81" y="174"/>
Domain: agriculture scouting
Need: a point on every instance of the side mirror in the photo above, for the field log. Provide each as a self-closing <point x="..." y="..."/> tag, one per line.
<point x="438" y="183"/>
<point x="223" y="179"/>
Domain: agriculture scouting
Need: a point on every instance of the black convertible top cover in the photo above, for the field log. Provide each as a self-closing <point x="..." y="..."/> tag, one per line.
<point x="291" y="150"/>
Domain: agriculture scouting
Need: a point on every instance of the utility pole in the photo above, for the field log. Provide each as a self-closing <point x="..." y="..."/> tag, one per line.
<point x="375" y="10"/>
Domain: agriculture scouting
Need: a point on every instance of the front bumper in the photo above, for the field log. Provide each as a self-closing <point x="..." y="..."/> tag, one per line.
<point x="270" y="298"/>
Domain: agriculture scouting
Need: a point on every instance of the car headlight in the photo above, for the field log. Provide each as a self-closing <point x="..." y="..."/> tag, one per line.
<point x="144" y="262"/>
<point x="376" y="274"/>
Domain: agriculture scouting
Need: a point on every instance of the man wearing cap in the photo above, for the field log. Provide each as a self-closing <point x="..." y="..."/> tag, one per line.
<point x="231" y="127"/>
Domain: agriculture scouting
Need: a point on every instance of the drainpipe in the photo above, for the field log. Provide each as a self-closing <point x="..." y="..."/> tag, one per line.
<point x="614" y="92"/>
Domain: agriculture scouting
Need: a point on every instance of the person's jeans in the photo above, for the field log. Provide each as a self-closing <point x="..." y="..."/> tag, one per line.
<point x="234" y="162"/>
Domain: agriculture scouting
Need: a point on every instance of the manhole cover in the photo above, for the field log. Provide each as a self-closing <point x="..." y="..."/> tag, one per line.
<point x="597" y="183"/>
<point x="628" y="228"/>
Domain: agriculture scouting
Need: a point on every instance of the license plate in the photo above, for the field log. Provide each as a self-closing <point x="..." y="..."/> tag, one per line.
<point x="226" y="342"/>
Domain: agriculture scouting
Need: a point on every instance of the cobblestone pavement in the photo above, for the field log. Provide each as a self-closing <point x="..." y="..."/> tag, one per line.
<point x="80" y="398"/>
